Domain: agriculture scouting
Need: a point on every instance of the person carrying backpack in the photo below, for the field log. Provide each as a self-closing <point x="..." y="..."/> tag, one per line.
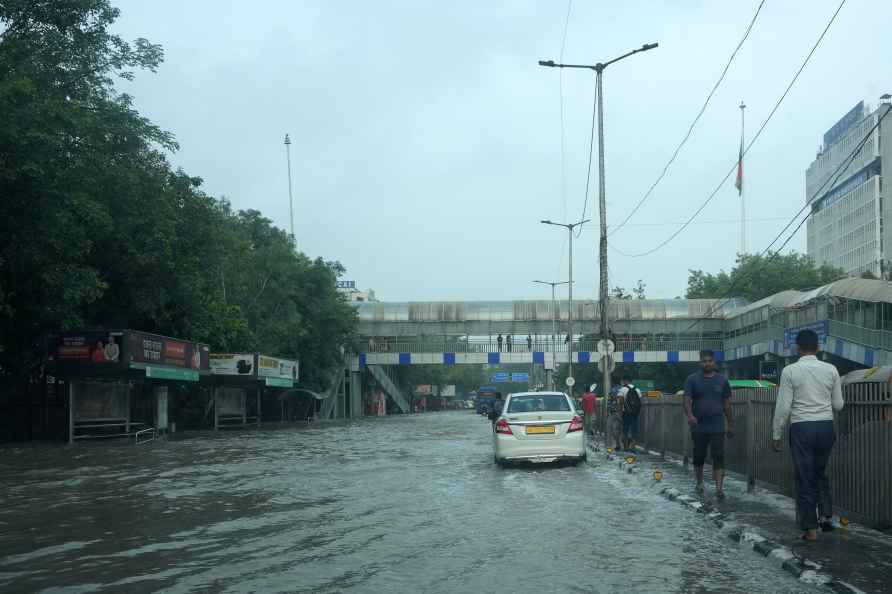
<point x="631" y="410"/>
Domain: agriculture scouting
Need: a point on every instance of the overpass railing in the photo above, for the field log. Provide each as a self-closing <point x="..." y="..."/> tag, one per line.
<point x="520" y="345"/>
<point x="860" y="467"/>
<point x="879" y="339"/>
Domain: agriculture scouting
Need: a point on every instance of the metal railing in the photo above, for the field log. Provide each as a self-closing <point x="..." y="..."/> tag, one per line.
<point x="860" y="468"/>
<point x="520" y="345"/>
<point x="144" y="436"/>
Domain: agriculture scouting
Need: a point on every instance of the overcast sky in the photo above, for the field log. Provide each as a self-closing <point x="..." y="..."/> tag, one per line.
<point x="427" y="140"/>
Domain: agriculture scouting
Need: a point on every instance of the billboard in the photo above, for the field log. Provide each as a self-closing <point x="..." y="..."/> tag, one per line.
<point x="90" y="348"/>
<point x="855" y="115"/>
<point x="820" y="328"/>
<point x="241" y="364"/>
<point x="275" y="368"/>
<point x="160" y="350"/>
<point x="345" y="284"/>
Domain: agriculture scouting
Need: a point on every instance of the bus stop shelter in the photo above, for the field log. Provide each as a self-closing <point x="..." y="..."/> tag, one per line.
<point x="242" y="382"/>
<point x="117" y="381"/>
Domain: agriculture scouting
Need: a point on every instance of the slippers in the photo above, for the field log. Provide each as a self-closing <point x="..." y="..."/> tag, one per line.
<point x="827" y="527"/>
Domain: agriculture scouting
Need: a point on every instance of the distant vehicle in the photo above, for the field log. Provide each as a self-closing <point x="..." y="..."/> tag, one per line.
<point x="539" y="427"/>
<point x="486" y="397"/>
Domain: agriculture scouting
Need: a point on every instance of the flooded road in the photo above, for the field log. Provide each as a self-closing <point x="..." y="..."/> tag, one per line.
<point x="402" y="504"/>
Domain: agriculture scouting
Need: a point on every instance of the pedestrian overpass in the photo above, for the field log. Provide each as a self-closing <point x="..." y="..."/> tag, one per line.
<point x="853" y="318"/>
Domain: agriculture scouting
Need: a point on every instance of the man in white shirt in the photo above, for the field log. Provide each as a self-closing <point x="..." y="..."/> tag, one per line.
<point x="810" y="390"/>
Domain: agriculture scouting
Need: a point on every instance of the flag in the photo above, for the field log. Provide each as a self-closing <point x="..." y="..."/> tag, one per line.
<point x="738" y="183"/>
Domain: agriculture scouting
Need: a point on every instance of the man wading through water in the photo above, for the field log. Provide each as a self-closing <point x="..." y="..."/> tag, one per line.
<point x="810" y="390"/>
<point x="707" y="404"/>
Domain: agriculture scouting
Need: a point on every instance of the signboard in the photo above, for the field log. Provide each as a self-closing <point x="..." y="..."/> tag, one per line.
<point x="855" y="115"/>
<point x="279" y="382"/>
<point x="500" y="377"/>
<point x="570" y="381"/>
<point x="821" y="328"/>
<point x="606" y="347"/>
<point x="448" y="391"/>
<point x="768" y="370"/>
<point x="160" y="350"/>
<point x="171" y="373"/>
<point x="274" y="367"/>
<point x="345" y="284"/>
<point x="644" y="385"/>
<point x="92" y="348"/>
<point x="518" y="378"/>
<point x="233" y="364"/>
<point x="424" y="390"/>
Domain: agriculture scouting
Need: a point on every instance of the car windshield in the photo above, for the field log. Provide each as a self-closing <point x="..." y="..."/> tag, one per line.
<point x="539" y="403"/>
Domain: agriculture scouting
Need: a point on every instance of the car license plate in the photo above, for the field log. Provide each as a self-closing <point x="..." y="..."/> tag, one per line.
<point x="539" y="429"/>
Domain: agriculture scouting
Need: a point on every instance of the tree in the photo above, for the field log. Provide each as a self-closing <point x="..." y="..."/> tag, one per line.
<point x="638" y="292"/>
<point x="619" y="293"/>
<point x="98" y="230"/>
<point x="755" y="277"/>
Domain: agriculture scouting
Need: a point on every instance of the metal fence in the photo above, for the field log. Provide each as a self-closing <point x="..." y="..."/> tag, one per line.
<point x="860" y="468"/>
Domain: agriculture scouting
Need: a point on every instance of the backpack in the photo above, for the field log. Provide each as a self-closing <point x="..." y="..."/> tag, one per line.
<point x="633" y="401"/>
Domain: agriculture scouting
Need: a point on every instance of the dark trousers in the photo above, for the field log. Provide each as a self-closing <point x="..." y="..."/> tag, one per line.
<point x="811" y="443"/>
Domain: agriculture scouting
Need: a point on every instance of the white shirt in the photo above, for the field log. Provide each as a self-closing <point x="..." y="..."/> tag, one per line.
<point x="810" y="390"/>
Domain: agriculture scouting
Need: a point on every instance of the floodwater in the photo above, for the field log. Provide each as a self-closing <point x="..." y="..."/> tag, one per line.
<point x="401" y="504"/>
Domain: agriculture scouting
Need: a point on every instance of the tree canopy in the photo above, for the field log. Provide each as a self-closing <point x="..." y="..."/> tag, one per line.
<point x="755" y="277"/>
<point x="99" y="230"/>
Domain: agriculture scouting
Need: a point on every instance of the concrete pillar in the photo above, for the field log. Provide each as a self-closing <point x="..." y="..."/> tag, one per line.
<point x="356" y="394"/>
<point x="160" y="393"/>
<point x="70" y="411"/>
<point x="259" y="401"/>
<point x="549" y="380"/>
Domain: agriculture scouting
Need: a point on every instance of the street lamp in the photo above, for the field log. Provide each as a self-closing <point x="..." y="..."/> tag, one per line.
<point x="602" y="199"/>
<point x="290" y="198"/>
<point x="569" y="227"/>
<point x="553" y="311"/>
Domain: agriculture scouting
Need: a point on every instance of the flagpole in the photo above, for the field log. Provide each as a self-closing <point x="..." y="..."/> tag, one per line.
<point x="742" y="186"/>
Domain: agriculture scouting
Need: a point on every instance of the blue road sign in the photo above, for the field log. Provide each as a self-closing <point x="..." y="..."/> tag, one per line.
<point x="518" y="378"/>
<point x="500" y="377"/>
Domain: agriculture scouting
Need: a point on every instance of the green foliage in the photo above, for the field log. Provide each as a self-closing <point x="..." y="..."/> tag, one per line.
<point x="98" y="230"/>
<point x="755" y="277"/>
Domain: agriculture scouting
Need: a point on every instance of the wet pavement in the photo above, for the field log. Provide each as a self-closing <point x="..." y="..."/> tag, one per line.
<point x="401" y="504"/>
<point x="855" y="554"/>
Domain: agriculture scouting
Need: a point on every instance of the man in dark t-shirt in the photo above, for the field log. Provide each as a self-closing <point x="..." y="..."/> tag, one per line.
<point x="707" y="405"/>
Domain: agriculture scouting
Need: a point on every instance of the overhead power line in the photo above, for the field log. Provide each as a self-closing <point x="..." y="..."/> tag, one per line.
<point x="755" y="138"/>
<point x="694" y="123"/>
<point x="843" y="166"/>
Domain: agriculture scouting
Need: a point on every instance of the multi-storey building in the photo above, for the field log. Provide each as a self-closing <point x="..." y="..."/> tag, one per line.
<point x="850" y="226"/>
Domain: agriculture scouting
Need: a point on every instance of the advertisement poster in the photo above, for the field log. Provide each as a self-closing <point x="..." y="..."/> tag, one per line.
<point x="233" y="364"/>
<point x="276" y="368"/>
<point x="160" y="350"/>
<point x="100" y="348"/>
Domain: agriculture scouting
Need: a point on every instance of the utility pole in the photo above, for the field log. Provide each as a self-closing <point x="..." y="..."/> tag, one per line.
<point x="602" y="191"/>
<point x="290" y="197"/>
<point x="569" y="227"/>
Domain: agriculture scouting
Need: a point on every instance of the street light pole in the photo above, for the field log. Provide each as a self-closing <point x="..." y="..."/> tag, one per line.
<point x="290" y="197"/>
<point x="602" y="191"/>
<point x="570" y="227"/>
<point x="553" y="310"/>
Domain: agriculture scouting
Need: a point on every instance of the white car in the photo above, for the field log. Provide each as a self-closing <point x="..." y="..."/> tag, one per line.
<point x="538" y="427"/>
